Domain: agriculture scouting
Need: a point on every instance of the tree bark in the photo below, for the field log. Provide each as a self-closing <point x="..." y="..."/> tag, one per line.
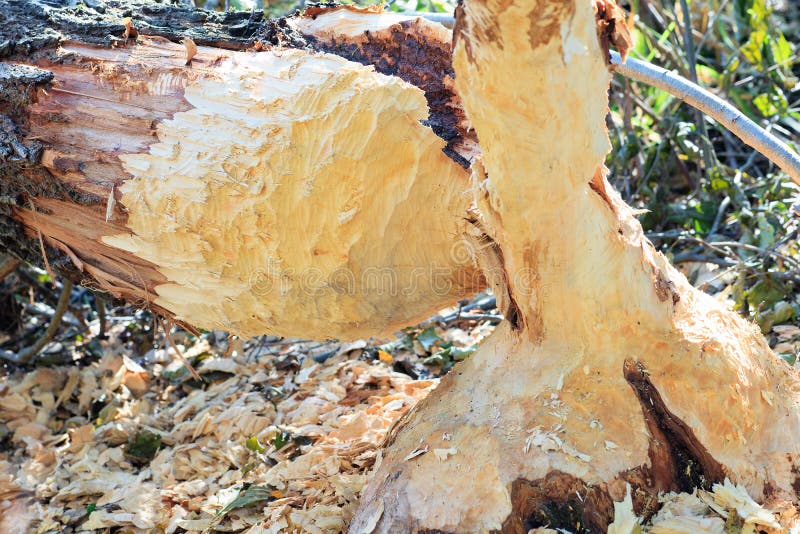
<point x="611" y="370"/>
<point x="276" y="182"/>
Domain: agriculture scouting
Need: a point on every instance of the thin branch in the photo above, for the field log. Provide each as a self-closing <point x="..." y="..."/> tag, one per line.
<point x="699" y="258"/>
<point x="724" y="113"/>
<point x="27" y="354"/>
<point x="710" y="104"/>
<point x="178" y="351"/>
<point x="41" y="246"/>
<point x="100" y="306"/>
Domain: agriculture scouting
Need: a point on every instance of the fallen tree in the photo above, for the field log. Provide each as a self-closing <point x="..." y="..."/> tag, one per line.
<point x="230" y="189"/>
<point x="208" y="182"/>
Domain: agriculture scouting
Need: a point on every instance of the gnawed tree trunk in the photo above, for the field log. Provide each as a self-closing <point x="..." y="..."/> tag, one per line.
<point x="265" y="187"/>
<point x="611" y="369"/>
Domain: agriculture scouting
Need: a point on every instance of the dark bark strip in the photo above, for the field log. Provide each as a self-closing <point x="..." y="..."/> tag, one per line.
<point x="404" y="51"/>
<point x="678" y="460"/>
<point x="30" y="25"/>
<point x="558" y="501"/>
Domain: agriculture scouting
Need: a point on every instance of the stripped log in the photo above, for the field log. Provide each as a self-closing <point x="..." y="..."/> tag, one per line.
<point x="279" y="184"/>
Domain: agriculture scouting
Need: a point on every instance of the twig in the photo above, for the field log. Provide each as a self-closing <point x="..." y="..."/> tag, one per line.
<point x="483" y="302"/>
<point x="723" y="207"/>
<point x="41" y="245"/>
<point x="724" y="113"/>
<point x="753" y="248"/>
<point x="699" y="258"/>
<point x="27" y="354"/>
<point x="100" y="306"/>
<point x="8" y="266"/>
<point x="491" y="317"/>
<point x="717" y="246"/>
<point x="178" y="351"/>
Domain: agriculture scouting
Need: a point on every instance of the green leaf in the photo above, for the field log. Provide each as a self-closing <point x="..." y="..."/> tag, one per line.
<point x="252" y="444"/>
<point x="427" y="338"/>
<point x="751" y="50"/>
<point x="281" y="439"/>
<point x="703" y="216"/>
<point x="765" y="293"/>
<point x="455" y="354"/>
<point x="91" y="507"/>
<point x="781" y="312"/>
<point x="143" y="446"/>
<point x="771" y="103"/>
<point x="436" y="360"/>
<point x="766" y="232"/>
<point x="108" y="413"/>
<point x="759" y="14"/>
<point x="639" y="42"/>
<point x="718" y="182"/>
<point x="707" y="75"/>
<point x="765" y="106"/>
<point x="781" y="49"/>
<point x="247" y="496"/>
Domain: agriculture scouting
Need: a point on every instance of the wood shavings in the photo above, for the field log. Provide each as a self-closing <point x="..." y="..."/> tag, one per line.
<point x="548" y="440"/>
<point x="110" y="204"/>
<point x="625" y="519"/>
<point x="728" y="497"/>
<point x="689" y="525"/>
<point x="334" y="415"/>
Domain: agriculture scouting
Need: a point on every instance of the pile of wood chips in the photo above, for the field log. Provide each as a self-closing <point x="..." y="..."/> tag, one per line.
<point x="271" y="442"/>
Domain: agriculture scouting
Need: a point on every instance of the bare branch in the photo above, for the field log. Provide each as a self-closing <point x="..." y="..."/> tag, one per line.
<point x="178" y="351"/>
<point x="724" y="113"/>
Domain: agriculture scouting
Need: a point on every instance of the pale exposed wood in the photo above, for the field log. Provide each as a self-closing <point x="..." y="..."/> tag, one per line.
<point x="611" y="369"/>
<point x="307" y="219"/>
<point x="282" y="191"/>
<point x="412" y="48"/>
